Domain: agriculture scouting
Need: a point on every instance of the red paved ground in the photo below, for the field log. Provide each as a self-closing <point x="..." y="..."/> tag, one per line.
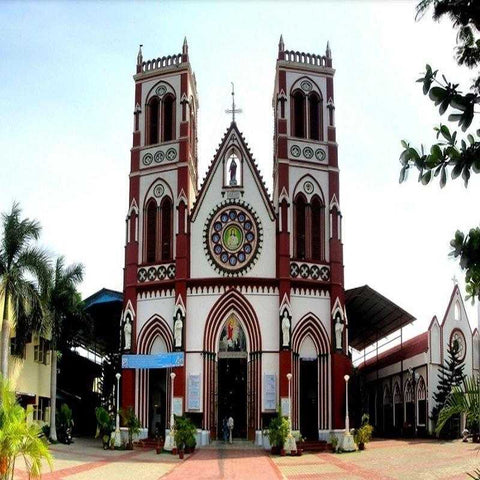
<point x="231" y="464"/>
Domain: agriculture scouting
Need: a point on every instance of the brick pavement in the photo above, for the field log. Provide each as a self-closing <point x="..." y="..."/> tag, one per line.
<point x="382" y="460"/>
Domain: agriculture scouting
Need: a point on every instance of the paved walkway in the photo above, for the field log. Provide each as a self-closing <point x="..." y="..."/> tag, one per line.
<point x="382" y="460"/>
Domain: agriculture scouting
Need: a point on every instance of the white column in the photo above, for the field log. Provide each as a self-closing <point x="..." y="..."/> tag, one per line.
<point x="118" y="436"/>
<point x="170" y="440"/>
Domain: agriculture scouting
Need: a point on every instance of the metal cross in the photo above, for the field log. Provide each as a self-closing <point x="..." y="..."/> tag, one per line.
<point x="233" y="110"/>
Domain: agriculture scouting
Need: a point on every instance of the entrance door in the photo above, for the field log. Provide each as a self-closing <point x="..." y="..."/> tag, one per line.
<point x="309" y="399"/>
<point x="157" y="402"/>
<point x="232" y="394"/>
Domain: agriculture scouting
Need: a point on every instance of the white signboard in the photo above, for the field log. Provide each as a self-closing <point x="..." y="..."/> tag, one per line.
<point x="284" y="404"/>
<point x="193" y="401"/>
<point x="270" y="392"/>
<point x="178" y="406"/>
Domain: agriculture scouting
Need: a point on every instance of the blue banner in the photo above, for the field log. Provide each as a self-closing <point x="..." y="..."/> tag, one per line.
<point x="161" y="360"/>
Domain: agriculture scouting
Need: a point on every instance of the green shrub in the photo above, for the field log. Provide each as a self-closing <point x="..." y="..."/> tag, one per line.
<point x="105" y="426"/>
<point x="185" y="432"/>
<point x="131" y="422"/>
<point x="278" y="430"/>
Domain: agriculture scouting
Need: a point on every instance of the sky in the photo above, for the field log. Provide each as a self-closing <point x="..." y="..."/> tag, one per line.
<point x="66" y="115"/>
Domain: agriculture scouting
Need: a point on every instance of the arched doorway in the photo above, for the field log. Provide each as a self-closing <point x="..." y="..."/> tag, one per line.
<point x="157" y="393"/>
<point x="308" y="389"/>
<point x="232" y="377"/>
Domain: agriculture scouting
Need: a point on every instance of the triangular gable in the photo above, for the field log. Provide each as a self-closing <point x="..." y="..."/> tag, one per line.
<point x="233" y="135"/>
<point x="451" y="304"/>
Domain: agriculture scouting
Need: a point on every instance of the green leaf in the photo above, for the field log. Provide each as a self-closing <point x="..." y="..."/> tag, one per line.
<point x="437" y="94"/>
<point x="457" y="170"/>
<point x="426" y="177"/>
<point x="443" y="177"/>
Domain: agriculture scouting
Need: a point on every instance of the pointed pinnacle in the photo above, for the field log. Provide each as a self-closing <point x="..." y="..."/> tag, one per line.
<point x="328" y="52"/>
<point x="281" y="45"/>
<point x="140" y="56"/>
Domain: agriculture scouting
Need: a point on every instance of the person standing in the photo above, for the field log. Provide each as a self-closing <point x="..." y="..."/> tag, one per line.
<point x="225" y="429"/>
<point x="230" y="427"/>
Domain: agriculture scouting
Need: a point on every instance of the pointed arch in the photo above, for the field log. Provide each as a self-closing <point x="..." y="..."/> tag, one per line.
<point x="230" y="302"/>
<point x="315" y="116"/>
<point x="153" y="115"/>
<point x="311" y="327"/>
<point x="151" y="214"/>
<point x="298" y="117"/>
<point x="166" y="228"/>
<point x="168" y="117"/>
<point x="154" y="327"/>
<point x="300" y="226"/>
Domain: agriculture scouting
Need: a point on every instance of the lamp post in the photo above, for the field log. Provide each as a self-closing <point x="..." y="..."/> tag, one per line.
<point x="170" y="440"/>
<point x="118" y="437"/>
<point x="347" y="420"/>
<point x="348" y="445"/>
<point x="290" y="444"/>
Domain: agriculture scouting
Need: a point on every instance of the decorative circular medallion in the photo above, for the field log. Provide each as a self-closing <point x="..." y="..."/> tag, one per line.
<point x="233" y="237"/>
<point x="306" y="85"/>
<point x="147" y="159"/>
<point x="458" y="338"/>
<point x="308" y="187"/>
<point x="308" y="152"/>
<point x="295" y="150"/>
<point x="320" y="154"/>
<point x="159" y="156"/>
<point x="158" y="191"/>
<point x="171" y="154"/>
<point x="161" y="90"/>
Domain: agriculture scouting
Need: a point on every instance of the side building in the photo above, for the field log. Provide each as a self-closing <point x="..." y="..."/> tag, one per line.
<point x="402" y="380"/>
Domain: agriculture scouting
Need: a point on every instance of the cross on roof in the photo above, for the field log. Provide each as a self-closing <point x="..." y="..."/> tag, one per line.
<point x="233" y="110"/>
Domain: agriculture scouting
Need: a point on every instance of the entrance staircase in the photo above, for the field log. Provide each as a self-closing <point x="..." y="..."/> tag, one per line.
<point x="315" y="446"/>
<point x="148" y="443"/>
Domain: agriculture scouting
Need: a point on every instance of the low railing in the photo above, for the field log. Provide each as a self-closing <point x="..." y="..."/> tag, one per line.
<point x="308" y="58"/>
<point x="161" y="62"/>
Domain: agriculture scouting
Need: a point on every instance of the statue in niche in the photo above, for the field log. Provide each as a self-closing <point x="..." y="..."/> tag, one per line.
<point x="233" y="171"/>
<point x="178" y="328"/>
<point x="286" y="329"/>
<point x="127" y="334"/>
<point x="338" y="333"/>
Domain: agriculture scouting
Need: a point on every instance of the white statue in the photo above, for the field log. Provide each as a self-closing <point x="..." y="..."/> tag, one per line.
<point x="178" y="327"/>
<point x="286" y="329"/>
<point x="338" y="333"/>
<point x="127" y="334"/>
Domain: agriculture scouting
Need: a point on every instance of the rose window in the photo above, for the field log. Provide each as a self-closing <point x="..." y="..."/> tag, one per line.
<point x="232" y="238"/>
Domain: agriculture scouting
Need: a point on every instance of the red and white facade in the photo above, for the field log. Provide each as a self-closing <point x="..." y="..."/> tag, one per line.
<point x="224" y="271"/>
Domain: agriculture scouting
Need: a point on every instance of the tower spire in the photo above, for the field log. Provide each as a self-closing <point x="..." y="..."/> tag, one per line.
<point x="281" y="45"/>
<point x="185" y="46"/>
<point x="140" y="55"/>
<point x="328" y="52"/>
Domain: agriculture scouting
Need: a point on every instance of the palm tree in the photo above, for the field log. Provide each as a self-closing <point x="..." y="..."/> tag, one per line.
<point x="18" y="438"/>
<point x="462" y="399"/>
<point x="62" y="305"/>
<point x="22" y="268"/>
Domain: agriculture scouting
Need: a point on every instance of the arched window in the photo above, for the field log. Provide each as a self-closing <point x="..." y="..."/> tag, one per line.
<point x="166" y="235"/>
<point x="168" y="117"/>
<point x="300" y="211"/>
<point x="315" y="113"/>
<point x="151" y="235"/>
<point x="153" y="114"/>
<point x="298" y="114"/>
<point x="457" y="313"/>
<point x="316" y="229"/>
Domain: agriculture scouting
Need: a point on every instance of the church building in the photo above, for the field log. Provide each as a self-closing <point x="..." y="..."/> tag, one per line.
<point x="248" y="286"/>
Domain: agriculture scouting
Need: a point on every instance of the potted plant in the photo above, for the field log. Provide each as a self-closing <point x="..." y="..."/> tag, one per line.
<point x="185" y="432"/>
<point x="363" y="435"/>
<point x="334" y="442"/>
<point x="65" y="424"/>
<point x="132" y="422"/>
<point x="277" y="433"/>
<point x="105" y="426"/>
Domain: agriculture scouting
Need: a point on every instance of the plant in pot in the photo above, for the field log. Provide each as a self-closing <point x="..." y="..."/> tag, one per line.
<point x="184" y="434"/>
<point x="364" y="434"/>
<point x="132" y="422"/>
<point x="334" y="442"/>
<point x="105" y="426"/>
<point x="277" y="433"/>
<point x="65" y="424"/>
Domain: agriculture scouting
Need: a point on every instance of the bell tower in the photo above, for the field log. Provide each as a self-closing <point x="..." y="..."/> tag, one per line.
<point x="162" y="188"/>
<point x="307" y="200"/>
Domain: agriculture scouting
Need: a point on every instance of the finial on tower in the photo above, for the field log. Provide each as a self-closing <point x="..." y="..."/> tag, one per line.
<point x="328" y="52"/>
<point x="140" y="56"/>
<point x="281" y="45"/>
<point x="185" y="46"/>
<point x="234" y="110"/>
